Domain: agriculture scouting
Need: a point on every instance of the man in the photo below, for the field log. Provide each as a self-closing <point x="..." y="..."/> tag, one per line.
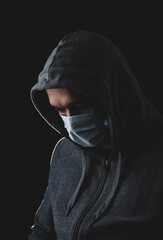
<point x="105" y="179"/>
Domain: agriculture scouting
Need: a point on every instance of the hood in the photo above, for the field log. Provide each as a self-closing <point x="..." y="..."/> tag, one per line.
<point x="91" y="64"/>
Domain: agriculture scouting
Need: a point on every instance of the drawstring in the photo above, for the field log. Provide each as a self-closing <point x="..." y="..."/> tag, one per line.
<point x="104" y="206"/>
<point x="75" y="194"/>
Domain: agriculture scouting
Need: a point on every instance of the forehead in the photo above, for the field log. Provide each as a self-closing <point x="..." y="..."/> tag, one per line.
<point x="63" y="96"/>
<point x="60" y="93"/>
<point x="63" y="92"/>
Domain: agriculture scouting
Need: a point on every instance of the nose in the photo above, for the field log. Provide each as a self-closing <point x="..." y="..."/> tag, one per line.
<point x="69" y="113"/>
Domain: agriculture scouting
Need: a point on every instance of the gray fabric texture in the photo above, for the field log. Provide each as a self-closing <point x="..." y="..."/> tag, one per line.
<point x="91" y="195"/>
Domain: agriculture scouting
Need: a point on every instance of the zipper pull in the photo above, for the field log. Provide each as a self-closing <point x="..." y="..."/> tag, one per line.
<point x="106" y="163"/>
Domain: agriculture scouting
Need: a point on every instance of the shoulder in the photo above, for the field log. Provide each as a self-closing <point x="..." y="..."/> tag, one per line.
<point x="64" y="144"/>
<point x="65" y="148"/>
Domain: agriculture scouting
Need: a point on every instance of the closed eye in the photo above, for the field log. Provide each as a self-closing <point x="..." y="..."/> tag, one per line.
<point x="59" y="109"/>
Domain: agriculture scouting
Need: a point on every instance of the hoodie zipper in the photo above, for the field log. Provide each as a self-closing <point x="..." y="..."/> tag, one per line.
<point x="92" y="202"/>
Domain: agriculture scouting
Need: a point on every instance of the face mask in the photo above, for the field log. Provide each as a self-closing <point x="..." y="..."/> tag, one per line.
<point x="88" y="130"/>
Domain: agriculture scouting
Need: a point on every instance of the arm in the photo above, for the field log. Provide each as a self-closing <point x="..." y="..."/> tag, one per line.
<point x="43" y="228"/>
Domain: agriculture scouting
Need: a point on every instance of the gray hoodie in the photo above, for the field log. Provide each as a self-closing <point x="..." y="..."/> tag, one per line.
<point x="91" y="195"/>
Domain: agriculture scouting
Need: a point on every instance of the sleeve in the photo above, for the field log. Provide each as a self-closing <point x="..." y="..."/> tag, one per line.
<point x="43" y="228"/>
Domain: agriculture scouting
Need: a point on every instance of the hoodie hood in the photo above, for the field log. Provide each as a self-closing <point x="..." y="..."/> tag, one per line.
<point x="87" y="62"/>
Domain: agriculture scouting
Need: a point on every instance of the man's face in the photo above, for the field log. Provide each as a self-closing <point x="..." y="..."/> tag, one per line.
<point x="68" y="102"/>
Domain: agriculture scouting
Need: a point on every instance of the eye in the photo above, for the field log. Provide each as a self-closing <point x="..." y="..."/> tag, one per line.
<point x="60" y="110"/>
<point x="84" y="105"/>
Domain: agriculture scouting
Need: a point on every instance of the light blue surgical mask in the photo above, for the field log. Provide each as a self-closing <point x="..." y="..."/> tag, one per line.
<point x="88" y="130"/>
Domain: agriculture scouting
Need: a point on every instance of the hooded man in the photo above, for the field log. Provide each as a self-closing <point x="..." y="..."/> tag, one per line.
<point x="106" y="173"/>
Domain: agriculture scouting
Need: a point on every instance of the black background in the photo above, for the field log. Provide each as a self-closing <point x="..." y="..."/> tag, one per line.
<point x="30" y="32"/>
